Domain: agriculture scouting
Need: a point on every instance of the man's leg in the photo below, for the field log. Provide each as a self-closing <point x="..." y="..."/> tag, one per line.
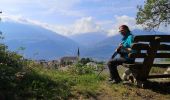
<point x="112" y="64"/>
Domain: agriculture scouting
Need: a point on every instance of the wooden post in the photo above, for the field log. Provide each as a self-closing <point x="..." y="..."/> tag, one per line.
<point x="148" y="61"/>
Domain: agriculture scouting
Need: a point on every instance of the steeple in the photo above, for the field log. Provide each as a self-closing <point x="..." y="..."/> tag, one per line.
<point x="78" y="53"/>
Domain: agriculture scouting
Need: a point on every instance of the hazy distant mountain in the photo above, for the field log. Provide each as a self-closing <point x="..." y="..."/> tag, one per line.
<point x="40" y="43"/>
<point x="89" y="39"/>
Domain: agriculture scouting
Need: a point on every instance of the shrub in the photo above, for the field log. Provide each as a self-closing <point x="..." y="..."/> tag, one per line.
<point x="80" y="69"/>
<point x="10" y="64"/>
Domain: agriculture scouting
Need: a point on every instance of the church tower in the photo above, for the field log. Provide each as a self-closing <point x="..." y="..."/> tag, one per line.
<point x="78" y="54"/>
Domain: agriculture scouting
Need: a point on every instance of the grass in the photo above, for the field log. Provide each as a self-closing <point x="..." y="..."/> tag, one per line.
<point x="50" y="84"/>
<point x="41" y="83"/>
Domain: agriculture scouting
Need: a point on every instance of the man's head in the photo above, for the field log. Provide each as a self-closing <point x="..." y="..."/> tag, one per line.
<point x="124" y="29"/>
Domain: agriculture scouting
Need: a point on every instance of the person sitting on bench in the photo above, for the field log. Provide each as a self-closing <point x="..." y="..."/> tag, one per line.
<point x="123" y="49"/>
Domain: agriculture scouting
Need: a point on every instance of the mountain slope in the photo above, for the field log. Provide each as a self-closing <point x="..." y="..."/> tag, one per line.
<point x="37" y="40"/>
<point x="89" y="39"/>
<point x="41" y="43"/>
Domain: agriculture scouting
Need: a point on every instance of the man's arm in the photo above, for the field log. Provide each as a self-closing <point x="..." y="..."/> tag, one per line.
<point x="128" y="50"/>
<point x="117" y="51"/>
<point x="114" y="55"/>
<point x="122" y="49"/>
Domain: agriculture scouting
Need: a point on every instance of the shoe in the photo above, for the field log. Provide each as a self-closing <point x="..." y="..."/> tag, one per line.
<point x="114" y="82"/>
<point x="110" y="79"/>
<point x="126" y="82"/>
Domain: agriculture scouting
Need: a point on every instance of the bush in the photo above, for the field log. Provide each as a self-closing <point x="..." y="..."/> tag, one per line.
<point x="85" y="60"/>
<point x="80" y="69"/>
<point x="10" y="64"/>
<point x="37" y="84"/>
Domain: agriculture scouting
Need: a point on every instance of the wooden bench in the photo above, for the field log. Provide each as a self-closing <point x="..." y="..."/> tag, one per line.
<point x="149" y="47"/>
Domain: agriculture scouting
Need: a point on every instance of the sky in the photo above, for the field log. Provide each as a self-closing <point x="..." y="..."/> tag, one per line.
<point x="70" y="17"/>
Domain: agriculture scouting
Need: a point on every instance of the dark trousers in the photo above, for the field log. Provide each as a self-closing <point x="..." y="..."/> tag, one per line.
<point x="112" y="64"/>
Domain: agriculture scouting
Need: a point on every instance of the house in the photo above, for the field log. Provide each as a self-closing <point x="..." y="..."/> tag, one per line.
<point x="42" y="62"/>
<point x="69" y="60"/>
<point x="49" y="64"/>
<point x="54" y="64"/>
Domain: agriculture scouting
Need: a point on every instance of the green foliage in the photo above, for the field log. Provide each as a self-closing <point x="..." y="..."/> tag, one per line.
<point x="80" y="69"/>
<point x="85" y="60"/>
<point x="11" y="69"/>
<point x="37" y="84"/>
<point x="10" y="64"/>
<point x="100" y="67"/>
<point x="41" y="83"/>
<point x="154" y="13"/>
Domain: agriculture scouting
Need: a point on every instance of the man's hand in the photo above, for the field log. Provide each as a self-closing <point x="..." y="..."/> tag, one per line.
<point x="119" y="47"/>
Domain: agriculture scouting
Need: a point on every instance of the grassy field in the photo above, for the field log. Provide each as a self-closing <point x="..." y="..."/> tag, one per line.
<point x="50" y="84"/>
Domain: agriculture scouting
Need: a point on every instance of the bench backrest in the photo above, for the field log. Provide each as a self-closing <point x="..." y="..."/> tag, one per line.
<point x="151" y="43"/>
<point x="155" y="46"/>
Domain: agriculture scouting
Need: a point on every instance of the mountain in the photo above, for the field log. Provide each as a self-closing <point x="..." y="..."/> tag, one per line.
<point x="89" y="39"/>
<point x="103" y="49"/>
<point x="39" y="42"/>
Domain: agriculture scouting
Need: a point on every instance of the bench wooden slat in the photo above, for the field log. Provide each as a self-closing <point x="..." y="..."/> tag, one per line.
<point x="148" y="38"/>
<point x="161" y="65"/>
<point x="143" y="46"/>
<point x="162" y="55"/>
<point x="164" y="47"/>
<point x="159" y="76"/>
<point x="137" y="55"/>
<point x="140" y="46"/>
<point x="140" y="64"/>
<point x="143" y="55"/>
<point x="136" y="64"/>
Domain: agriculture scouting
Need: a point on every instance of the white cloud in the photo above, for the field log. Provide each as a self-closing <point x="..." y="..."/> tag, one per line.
<point x="131" y="22"/>
<point x="14" y="18"/>
<point x="19" y="19"/>
<point x="123" y="20"/>
<point x="80" y="26"/>
<point x="83" y="25"/>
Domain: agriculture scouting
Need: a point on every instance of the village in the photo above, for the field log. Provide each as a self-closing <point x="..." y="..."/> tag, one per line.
<point x="67" y="61"/>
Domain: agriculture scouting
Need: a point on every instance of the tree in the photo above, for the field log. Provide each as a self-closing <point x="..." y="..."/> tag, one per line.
<point x="153" y="14"/>
<point x="85" y="60"/>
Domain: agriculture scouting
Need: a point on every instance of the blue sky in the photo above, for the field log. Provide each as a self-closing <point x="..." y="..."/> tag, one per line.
<point x="69" y="17"/>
